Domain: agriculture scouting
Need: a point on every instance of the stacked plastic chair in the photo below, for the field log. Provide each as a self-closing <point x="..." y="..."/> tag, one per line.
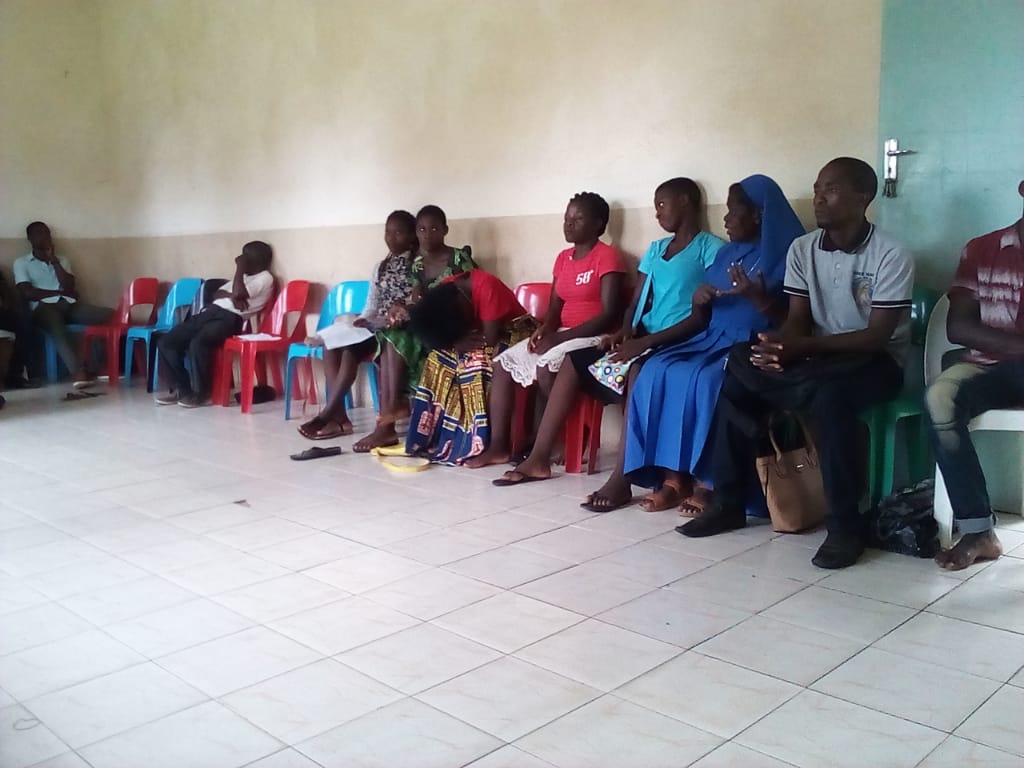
<point x="179" y="300"/>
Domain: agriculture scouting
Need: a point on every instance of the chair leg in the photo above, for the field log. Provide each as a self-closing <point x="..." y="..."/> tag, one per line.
<point x="248" y="376"/>
<point x="129" y="358"/>
<point x="887" y="461"/>
<point x="575" y="431"/>
<point x="521" y="413"/>
<point x="919" y="450"/>
<point x="596" y="414"/>
<point x="942" y="509"/>
<point x="222" y="376"/>
<point x="275" y="363"/>
<point x="50" y="351"/>
<point x="113" y="356"/>
<point x="289" y="376"/>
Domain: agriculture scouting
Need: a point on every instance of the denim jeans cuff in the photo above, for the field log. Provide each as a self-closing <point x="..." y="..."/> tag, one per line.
<point x="975" y="524"/>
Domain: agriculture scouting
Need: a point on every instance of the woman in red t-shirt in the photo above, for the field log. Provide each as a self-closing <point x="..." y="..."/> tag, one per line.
<point x="466" y="321"/>
<point x="587" y="298"/>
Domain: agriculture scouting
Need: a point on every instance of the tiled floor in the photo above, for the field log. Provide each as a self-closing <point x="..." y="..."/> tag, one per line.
<point x="174" y="592"/>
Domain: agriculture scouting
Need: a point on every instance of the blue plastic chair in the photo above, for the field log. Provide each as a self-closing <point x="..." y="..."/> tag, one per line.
<point x="181" y="296"/>
<point x="54" y="366"/>
<point x="347" y="298"/>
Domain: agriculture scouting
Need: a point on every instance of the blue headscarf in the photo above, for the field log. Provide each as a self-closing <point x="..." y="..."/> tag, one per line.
<point x="767" y="255"/>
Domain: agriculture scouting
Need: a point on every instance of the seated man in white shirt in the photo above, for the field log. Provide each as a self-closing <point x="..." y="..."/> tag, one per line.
<point x="200" y="335"/>
<point x="47" y="282"/>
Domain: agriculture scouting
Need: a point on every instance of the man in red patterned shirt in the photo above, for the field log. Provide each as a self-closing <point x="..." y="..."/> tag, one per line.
<point x="984" y="316"/>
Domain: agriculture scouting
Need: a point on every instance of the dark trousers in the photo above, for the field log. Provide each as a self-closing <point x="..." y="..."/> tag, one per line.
<point x="197" y="337"/>
<point x="830" y="391"/>
<point x="957" y="396"/>
<point x="20" y="325"/>
<point x="54" y="317"/>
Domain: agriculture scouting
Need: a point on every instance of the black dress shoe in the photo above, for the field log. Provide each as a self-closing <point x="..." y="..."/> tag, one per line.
<point x="839" y="550"/>
<point x="712" y="522"/>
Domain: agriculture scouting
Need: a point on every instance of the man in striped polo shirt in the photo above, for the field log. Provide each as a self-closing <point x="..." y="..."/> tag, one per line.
<point x="840" y="350"/>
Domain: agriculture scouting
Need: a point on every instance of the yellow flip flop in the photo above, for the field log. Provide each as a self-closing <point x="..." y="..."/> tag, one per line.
<point x="396" y="459"/>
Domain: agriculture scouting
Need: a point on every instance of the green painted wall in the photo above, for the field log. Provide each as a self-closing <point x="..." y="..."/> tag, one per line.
<point x="952" y="88"/>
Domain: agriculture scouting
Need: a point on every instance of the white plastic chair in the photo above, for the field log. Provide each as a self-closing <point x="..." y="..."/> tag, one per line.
<point x="936" y="345"/>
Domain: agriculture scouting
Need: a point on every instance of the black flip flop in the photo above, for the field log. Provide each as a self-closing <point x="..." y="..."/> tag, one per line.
<point x="317" y="453"/>
<point x="504" y="482"/>
<point x="81" y="394"/>
<point x="591" y="507"/>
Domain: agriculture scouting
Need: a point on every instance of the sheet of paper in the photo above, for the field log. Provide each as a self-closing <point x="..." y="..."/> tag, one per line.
<point x="343" y="334"/>
<point x="258" y="337"/>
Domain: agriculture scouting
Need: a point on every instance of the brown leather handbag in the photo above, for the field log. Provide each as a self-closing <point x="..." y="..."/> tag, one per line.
<point x="791" y="481"/>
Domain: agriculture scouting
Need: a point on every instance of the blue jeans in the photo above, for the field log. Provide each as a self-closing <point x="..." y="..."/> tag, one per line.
<point x="957" y="396"/>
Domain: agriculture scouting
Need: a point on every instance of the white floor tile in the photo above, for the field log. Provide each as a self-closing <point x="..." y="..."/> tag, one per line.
<point x="179" y="554"/>
<point x="587" y="589"/>
<point x="509" y="757"/>
<point x="29" y="536"/>
<point x="418" y="658"/>
<point x="840" y="614"/>
<point x="390" y="736"/>
<point x="574" y="544"/>
<point x="441" y="547"/>
<point x="131" y="537"/>
<point x="57" y="665"/>
<point x="108" y="705"/>
<point x="611" y="731"/>
<point x="737" y="586"/>
<point x="781" y="650"/>
<point x="924" y="693"/>
<point x="648" y="564"/>
<point x="633" y="523"/>
<point x="205" y="736"/>
<point x="984" y="604"/>
<point x="505" y="527"/>
<point x="260" y="533"/>
<point x="720" y="698"/>
<point x="286" y="758"/>
<point x="598" y="654"/>
<point x="817" y="731"/>
<point x="997" y="722"/>
<point x="530" y="697"/>
<point x="309" y="551"/>
<point x="125" y="601"/>
<point x="971" y="648"/>
<point x="41" y="624"/>
<point x="67" y="760"/>
<point x="673" y="618"/>
<point x="881" y="580"/>
<point x="710" y="548"/>
<point x="432" y="593"/>
<point x="276" y="598"/>
<point x="47" y="557"/>
<point x="310" y="700"/>
<point x="368" y="570"/>
<point x="84" y="577"/>
<point x="508" y="567"/>
<point x="1006" y="573"/>
<point x="26" y="741"/>
<point x="960" y="753"/>
<point x="220" y="666"/>
<point x="15" y="595"/>
<point x="216" y="518"/>
<point x="226" y="574"/>
<point x="732" y="755"/>
<point x="343" y="625"/>
<point x="381" y="530"/>
<point x="181" y="626"/>
<point x="508" y="621"/>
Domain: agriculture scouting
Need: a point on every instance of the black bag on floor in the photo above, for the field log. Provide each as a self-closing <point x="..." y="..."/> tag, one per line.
<point x="904" y="522"/>
<point x="261" y="393"/>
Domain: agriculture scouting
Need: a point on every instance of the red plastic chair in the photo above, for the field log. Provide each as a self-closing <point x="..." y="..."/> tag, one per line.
<point x="286" y="321"/>
<point x="142" y="292"/>
<point x="583" y="434"/>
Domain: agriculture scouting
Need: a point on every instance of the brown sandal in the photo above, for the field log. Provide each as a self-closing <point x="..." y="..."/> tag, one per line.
<point x="664" y="498"/>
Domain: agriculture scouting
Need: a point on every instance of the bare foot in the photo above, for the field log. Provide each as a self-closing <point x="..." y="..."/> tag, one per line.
<point x="532" y="469"/>
<point x="971" y="548"/>
<point x="666" y="497"/>
<point x="615" y="493"/>
<point x="695" y="504"/>
<point x="487" y="459"/>
<point x="384" y="435"/>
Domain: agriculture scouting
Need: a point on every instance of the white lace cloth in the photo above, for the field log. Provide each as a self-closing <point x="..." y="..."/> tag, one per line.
<point x="519" y="361"/>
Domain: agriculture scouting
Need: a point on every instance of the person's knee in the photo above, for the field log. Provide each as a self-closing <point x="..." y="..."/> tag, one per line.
<point x="940" y="402"/>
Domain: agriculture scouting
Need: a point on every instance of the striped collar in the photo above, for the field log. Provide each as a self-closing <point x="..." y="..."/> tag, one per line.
<point x="825" y="241"/>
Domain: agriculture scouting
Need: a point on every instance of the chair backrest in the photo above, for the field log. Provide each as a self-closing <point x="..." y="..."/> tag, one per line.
<point x="535" y="298"/>
<point x="182" y="294"/>
<point x="287" y="316"/>
<point x="937" y="342"/>
<point x="346" y="298"/>
<point x="139" y="303"/>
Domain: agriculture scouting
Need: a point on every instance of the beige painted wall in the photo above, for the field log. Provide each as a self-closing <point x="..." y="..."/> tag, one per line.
<point x="156" y="137"/>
